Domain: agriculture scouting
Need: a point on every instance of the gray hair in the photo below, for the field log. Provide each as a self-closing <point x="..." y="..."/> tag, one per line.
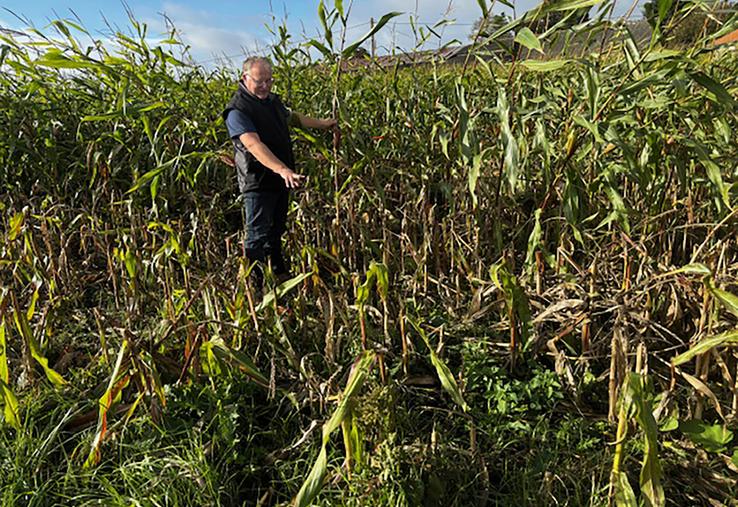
<point x="249" y="63"/>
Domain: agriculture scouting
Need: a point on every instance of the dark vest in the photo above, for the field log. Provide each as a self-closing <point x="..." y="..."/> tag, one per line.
<point x="270" y="119"/>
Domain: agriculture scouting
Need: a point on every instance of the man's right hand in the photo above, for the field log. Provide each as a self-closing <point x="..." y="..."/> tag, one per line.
<point x="290" y="177"/>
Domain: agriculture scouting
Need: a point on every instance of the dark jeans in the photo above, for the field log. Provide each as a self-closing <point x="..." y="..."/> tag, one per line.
<point x="266" y="222"/>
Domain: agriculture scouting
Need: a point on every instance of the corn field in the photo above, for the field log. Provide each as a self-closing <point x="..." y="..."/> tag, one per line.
<point x="515" y="278"/>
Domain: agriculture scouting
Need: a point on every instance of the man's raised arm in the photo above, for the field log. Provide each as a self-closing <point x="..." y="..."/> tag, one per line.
<point x="263" y="154"/>
<point x="314" y="123"/>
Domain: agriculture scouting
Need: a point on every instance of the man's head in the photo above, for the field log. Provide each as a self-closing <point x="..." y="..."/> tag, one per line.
<point x="257" y="76"/>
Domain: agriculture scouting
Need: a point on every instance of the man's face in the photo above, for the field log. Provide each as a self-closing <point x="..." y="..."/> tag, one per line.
<point x="259" y="80"/>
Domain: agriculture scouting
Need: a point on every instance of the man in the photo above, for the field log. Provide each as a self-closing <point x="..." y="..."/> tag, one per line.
<point x="258" y="124"/>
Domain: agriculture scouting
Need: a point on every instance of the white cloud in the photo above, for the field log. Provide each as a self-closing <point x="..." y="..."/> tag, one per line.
<point x="209" y="42"/>
<point x="212" y="41"/>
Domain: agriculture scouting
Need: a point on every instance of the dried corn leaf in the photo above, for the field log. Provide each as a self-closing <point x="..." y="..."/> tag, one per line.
<point x="109" y="397"/>
<point x="705" y="391"/>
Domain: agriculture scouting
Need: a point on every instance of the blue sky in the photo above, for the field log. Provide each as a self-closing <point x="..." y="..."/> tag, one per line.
<point x="219" y="29"/>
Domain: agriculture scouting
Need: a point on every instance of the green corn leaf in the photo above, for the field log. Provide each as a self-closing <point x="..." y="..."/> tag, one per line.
<point x="357" y="440"/>
<point x="691" y="269"/>
<point x="592" y="127"/>
<point x="515" y="298"/>
<point x="316" y="142"/>
<point x="314" y="481"/>
<point x="594" y="90"/>
<point x="351" y="49"/>
<point x="152" y="377"/>
<point x="16" y="225"/>
<point x="127" y="111"/>
<point x="641" y="400"/>
<point x="149" y="176"/>
<point x="632" y="53"/>
<point x="545" y="8"/>
<point x="570" y="5"/>
<point x="352" y="441"/>
<point x="527" y="38"/>
<point x="544" y="66"/>
<point x="241" y="360"/>
<point x="32" y="305"/>
<point x="483" y="6"/>
<point x="662" y="54"/>
<point x="4" y="50"/>
<point x="715" y="175"/>
<point x="670" y="420"/>
<point x="10" y="406"/>
<point x="4" y="374"/>
<point x="114" y="61"/>
<point x="474" y="172"/>
<point x="712" y="437"/>
<point x="363" y="291"/>
<point x="10" y="403"/>
<point x="511" y="26"/>
<point x="448" y="382"/>
<point x="323" y="16"/>
<point x="624" y="495"/>
<point x="55" y="59"/>
<point x="61" y="25"/>
<point x="706" y="345"/>
<point x="376" y="274"/>
<point x="381" y="275"/>
<point x="339" y="7"/>
<point x="512" y="169"/>
<point x="213" y="365"/>
<point x="443" y="140"/>
<point x="282" y="289"/>
<point x="24" y="329"/>
<point x="619" y="209"/>
<point x="717" y="89"/>
<point x="360" y="370"/>
<point x="729" y="300"/>
<point x="663" y="7"/>
<point x="130" y="262"/>
<point x="534" y="241"/>
<point x="325" y="51"/>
